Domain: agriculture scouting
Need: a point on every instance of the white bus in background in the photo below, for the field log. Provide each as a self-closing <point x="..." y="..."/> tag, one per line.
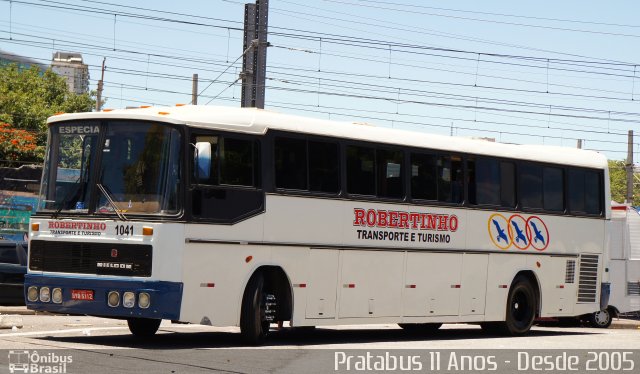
<point x="622" y="264"/>
<point x="246" y="217"/>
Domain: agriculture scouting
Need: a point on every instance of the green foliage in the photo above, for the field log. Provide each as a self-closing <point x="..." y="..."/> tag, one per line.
<point x="28" y="97"/>
<point x="618" y="178"/>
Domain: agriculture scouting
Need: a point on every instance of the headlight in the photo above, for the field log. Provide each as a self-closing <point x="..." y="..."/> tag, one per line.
<point x="114" y="299"/>
<point x="45" y="294"/>
<point x="32" y="294"/>
<point x="144" y="300"/>
<point x="56" y="295"/>
<point x="128" y="299"/>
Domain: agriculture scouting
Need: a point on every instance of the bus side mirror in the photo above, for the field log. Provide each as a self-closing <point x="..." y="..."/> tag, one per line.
<point x="202" y="158"/>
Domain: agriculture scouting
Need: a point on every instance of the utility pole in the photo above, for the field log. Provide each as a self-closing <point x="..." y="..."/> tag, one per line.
<point x="254" y="62"/>
<point x="194" y="90"/>
<point x="629" y="168"/>
<point x="100" y="86"/>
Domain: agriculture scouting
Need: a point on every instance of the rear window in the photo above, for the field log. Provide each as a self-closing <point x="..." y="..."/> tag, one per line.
<point x="9" y="255"/>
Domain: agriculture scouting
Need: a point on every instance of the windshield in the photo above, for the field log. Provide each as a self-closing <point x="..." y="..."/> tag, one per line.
<point x="135" y="164"/>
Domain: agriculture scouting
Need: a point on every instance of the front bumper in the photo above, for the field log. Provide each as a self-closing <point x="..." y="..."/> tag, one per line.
<point x="166" y="297"/>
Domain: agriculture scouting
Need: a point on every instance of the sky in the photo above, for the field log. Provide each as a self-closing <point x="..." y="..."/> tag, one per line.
<point x="543" y="72"/>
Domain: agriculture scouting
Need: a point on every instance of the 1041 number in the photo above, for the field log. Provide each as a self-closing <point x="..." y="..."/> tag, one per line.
<point x="124" y="230"/>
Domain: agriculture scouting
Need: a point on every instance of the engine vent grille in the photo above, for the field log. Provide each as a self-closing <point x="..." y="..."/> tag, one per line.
<point x="588" y="280"/>
<point x="570" y="273"/>
<point x="633" y="288"/>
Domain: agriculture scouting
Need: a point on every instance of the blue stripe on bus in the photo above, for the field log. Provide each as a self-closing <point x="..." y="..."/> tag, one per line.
<point x="166" y="297"/>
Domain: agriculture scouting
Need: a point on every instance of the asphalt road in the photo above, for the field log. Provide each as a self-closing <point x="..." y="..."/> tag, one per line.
<point x="105" y="345"/>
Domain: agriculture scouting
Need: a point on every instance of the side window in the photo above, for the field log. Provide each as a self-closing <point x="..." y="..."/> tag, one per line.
<point x="324" y="167"/>
<point x="553" y="189"/>
<point x="450" y="179"/>
<point x="423" y="176"/>
<point x="592" y="191"/>
<point x="226" y="177"/>
<point x="491" y="182"/>
<point x="484" y="181"/>
<point x="307" y="165"/>
<point x="584" y="192"/>
<point x="238" y="162"/>
<point x="290" y="157"/>
<point x="530" y="186"/>
<point x="389" y="170"/>
<point x="507" y="184"/>
<point x="234" y="162"/>
<point x="361" y="178"/>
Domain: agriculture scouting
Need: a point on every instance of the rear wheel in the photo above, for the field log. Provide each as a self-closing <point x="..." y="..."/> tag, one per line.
<point x="521" y="307"/>
<point x="521" y="310"/>
<point x="257" y="313"/>
<point x="600" y="319"/>
<point x="421" y="328"/>
<point x="143" y="327"/>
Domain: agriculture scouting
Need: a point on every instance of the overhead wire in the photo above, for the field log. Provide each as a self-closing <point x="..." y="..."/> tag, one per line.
<point x="588" y="63"/>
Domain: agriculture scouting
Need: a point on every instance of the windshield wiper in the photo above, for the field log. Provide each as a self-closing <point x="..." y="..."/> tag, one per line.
<point x="72" y="191"/>
<point x="111" y="202"/>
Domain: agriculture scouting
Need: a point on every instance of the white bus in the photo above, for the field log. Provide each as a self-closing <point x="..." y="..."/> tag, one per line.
<point x="622" y="265"/>
<point x="246" y="217"/>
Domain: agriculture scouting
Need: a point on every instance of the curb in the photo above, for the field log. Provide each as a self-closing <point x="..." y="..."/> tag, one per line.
<point x="627" y="325"/>
<point x="20" y="311"/>
<point x="10" y="322"/>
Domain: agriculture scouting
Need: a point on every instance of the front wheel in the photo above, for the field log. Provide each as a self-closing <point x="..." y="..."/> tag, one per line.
<point x="600" y="319"/>
<point x="256" y="313"/>
<point x="143" y="327"/>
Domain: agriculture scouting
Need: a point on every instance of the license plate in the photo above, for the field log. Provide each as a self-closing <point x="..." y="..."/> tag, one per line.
<point x="82" y="295"/>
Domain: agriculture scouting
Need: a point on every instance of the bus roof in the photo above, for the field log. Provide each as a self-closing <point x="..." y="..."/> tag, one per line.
<point x="258" y="121"/>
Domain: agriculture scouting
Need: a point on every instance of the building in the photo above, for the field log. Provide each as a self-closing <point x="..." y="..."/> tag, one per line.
<point x="75" y="71"/>
<point x="7" y="58"/>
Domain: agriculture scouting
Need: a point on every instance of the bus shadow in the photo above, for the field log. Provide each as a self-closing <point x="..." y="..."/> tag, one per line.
<point x="294" y="337"/>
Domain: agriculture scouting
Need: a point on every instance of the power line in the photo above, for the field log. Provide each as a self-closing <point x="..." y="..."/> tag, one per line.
<point x="500" y="22"/>
<point x="479" y="108"/>
<point x="176" y="57"/>
<point x="305" y="33"/>
<point x="494" y="14"/>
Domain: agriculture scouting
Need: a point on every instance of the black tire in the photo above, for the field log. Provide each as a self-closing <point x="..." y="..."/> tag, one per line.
<point x="253" y="325"/>
<point x="492" y="328"/>
<point x="143" y="327"/>
<point x="600" y="319"/>
<point x="521" y="307"/>
<point x="420" y="328"/>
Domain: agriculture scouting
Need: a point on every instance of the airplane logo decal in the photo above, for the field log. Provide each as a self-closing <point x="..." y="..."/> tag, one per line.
<point x="518" y="231"/>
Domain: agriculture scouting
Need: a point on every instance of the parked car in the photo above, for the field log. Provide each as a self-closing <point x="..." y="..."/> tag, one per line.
<point x="13" y="267"/>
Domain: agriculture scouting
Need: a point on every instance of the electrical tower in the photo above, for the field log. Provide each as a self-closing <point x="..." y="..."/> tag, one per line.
<point x="254" y="62"/>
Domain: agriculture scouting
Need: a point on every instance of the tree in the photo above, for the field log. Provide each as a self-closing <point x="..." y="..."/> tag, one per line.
<point x="27" y="98"/>
<point x="618" y="178"/>
<point x="17" y="144"/>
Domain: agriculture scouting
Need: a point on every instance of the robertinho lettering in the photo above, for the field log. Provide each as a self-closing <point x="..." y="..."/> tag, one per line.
<point x="405" y="220"/>
<point x="71" y="225"/>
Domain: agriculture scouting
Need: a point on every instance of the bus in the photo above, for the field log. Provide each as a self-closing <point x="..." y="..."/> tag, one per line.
<point x="251" y="218"/>
<point x="18" y="199"/>
<point x="622" y="263"/>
